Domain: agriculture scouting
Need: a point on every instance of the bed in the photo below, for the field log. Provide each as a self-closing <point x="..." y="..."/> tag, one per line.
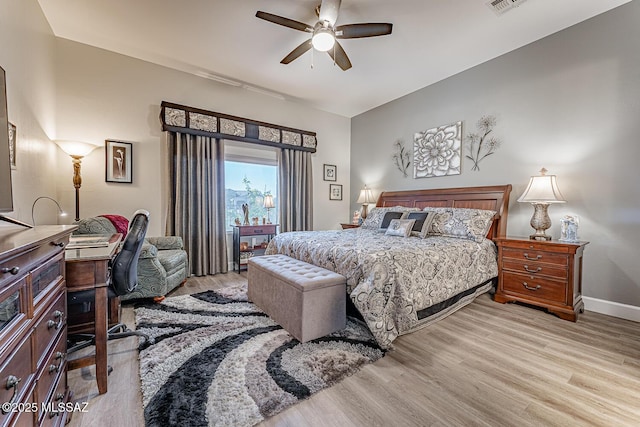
<point x="401" y="284"/>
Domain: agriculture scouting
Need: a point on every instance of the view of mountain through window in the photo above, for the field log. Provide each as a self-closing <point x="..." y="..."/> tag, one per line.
<point x="249" y="183"/>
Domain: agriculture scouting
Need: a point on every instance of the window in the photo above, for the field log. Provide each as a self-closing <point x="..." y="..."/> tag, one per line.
<point x="250" y="174"/>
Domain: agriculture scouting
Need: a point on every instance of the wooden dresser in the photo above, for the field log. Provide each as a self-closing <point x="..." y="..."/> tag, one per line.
<point x="33" y="330"/>
<point x="543" y="273"/>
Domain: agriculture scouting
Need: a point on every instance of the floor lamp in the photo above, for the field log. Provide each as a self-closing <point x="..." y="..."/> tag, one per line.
<point x="77" y="150"/>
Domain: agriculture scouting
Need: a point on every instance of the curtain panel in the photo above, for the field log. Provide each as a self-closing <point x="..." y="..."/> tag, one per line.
<point x="296" y="191"/>
<point x="196" y="200"/>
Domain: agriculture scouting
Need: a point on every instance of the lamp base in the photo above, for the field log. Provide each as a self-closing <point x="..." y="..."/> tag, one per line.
<point x="364" y="211"/>
<point x="539" y="237"/>
<point x="540" y="221"/>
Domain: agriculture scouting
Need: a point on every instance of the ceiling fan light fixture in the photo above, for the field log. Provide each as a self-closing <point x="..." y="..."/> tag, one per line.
<point x="323" y="39"/>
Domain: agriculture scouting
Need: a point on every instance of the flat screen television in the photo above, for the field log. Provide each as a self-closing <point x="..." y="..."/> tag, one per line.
<point x="6" y="191"/>
<point x="6" y="199"/>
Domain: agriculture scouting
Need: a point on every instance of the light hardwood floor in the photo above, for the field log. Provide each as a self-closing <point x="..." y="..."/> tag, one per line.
<point x="488" y="364"/>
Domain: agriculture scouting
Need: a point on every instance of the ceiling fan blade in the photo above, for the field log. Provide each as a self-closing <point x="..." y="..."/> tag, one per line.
<point x="341" y="57"/>
<point x="355" y="31"/>
<point x="329" y="11"/>
<point x="295" y="53"/>
<point x="286" y="22"/>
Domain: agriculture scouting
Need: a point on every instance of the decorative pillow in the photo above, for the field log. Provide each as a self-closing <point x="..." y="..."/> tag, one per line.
<point x="422" y="224"/>
<point x="400" y="227"/>
<point x="374" y="219"/>
<point x="386" y="220"/>
<point x="472" y="224"/>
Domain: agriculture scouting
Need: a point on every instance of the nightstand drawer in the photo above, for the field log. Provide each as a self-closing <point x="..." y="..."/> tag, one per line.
<point x="533" y="255"/>
<point x="535" y="287"/>
<point x="535" y="268"/>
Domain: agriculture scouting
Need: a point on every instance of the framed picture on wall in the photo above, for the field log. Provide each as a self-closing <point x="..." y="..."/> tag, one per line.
<point x="118" y="161"/>
<point x="330" y="173"/>
<point x="335" y="192"/>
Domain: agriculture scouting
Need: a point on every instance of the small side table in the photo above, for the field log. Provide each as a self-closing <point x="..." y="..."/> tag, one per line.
<point x="543" y="273"/>
<point x="243" y="248"/>
<point x="345" y="226"/>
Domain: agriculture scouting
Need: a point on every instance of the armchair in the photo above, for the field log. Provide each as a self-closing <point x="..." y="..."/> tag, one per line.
<point x="162" y="264"/>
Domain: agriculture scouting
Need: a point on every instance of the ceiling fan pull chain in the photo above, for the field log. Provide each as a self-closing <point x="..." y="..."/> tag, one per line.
<point x="312" y="49"/>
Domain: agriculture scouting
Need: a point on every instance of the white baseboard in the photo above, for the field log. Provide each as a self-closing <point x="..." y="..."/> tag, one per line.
<point x="615" y="309"/>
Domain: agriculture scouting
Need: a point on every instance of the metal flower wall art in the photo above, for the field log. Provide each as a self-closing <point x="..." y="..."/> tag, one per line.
<point x="437" y="151"/>
<point x="401" y="157"/>
<point x="481" y="144"/>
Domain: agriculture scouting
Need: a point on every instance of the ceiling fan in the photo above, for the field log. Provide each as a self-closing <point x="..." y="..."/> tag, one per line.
<point x="324" y="33"/>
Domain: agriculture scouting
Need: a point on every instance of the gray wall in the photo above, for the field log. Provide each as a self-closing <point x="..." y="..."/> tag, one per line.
<point x="569" y="102"/>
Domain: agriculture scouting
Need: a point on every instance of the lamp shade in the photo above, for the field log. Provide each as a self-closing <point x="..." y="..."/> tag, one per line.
<point x="366" y="196"/>
<point x="542" y="189"/>
<point x="75" y="148"/>
<point x="268" y="201"/>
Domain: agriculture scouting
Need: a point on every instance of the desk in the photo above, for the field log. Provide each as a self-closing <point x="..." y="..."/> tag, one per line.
<point x="87" y="269"/>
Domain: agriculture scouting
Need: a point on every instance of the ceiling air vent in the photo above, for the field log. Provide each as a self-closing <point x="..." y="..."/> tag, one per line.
<point x="502" y="6"/>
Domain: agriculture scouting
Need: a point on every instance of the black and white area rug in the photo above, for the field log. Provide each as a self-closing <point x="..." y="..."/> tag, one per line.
<point x="218" y="360"/>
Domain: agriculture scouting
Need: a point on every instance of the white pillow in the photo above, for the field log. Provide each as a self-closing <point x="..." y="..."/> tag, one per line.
<point x="400" y="227"/>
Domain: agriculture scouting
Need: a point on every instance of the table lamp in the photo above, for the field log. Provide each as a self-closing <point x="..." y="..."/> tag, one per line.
<point x="365" y="198"/>
<point x="268" y="204"/>
<point x="541" y="192"/>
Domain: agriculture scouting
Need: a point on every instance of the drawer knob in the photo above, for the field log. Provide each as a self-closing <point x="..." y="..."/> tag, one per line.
<point x="58" y="244"/>
<point x="527" y="269"/>
<point x="526" y="286"/>
<point x="13" y="270"/>
<point x="12" y="383"/>
<point x="54" y="368"/>
<point x="526" y="255"/>
<point x="57" y="325"/>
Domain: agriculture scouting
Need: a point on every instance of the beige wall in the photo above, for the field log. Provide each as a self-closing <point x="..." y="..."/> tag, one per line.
<point x="27" y="56"/>
<point x="104" y="95"/>
<point x="568" y="102"/>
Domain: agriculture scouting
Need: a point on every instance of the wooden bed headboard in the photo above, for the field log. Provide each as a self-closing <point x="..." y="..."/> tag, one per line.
<point x="492" y="197"/>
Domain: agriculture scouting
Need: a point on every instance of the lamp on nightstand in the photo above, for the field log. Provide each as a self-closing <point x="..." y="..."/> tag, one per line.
<point x="365" y="198"/>
<point x="541" y="192"/>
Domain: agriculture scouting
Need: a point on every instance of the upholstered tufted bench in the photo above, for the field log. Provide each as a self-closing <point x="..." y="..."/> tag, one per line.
<point x="307" y="301"/>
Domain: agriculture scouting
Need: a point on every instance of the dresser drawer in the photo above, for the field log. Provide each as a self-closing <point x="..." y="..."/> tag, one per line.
<point x="256" y="230"/>
<point x="50" y="324"/>
<point x="534" y="287"/>
<point x="17" y="373"/>
<point x="535" y="255"/>
<point x="46" y="275"/>
<point x="14" y="305"/>
<point x="535" y="268"/>
<point x="52" y="416"/>
<point x="51" y="369"/>
<point x="22" y="263"/>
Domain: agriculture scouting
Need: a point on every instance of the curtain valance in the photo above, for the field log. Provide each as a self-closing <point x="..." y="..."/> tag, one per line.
<point x="194" y="121"/>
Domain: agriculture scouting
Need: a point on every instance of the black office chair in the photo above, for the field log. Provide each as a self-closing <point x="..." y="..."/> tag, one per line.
<point x="123" y="279"/>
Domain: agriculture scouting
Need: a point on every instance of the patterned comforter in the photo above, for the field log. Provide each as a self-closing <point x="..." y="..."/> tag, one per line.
<point x="392" y="279"/>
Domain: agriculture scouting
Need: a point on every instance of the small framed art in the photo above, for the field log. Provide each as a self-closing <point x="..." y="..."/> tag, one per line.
<point x="335" y="192"/>
<point x="330" y="173"/>
<point x="119" y="161"/>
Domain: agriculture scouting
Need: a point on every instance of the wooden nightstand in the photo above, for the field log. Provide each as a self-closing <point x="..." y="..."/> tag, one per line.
<point x="543" y="273"/>
<point x="345" y="226"/>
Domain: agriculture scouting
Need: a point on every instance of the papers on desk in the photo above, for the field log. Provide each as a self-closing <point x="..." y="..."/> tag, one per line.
<point x="89" y="241"/>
